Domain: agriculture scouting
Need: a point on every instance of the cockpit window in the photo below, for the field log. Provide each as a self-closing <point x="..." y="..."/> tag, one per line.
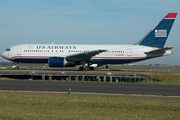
<point x="8" y="49"/>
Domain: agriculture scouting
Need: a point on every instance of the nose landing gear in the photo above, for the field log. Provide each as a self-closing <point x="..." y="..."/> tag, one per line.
<point x="15" y="66"/>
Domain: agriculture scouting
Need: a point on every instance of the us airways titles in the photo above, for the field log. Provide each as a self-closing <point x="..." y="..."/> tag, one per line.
<point x="56" y="47"/>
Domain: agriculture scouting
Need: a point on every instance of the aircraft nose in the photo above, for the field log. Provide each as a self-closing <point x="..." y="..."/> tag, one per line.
<point x="4" y="55"/>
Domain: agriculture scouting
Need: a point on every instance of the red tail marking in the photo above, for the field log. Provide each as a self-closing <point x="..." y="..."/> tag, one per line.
<point x="171" y="15"/>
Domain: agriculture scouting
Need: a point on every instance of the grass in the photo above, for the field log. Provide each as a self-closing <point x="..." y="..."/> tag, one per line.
<point x="35" y="67"/>
<point x="162" y="76"/>
<point x="140" y="67"/>
<point x="174" y="82"/>
<point x="97" y="68"/>
<point x="16" y="106"/>
<point x="5" y="78"/>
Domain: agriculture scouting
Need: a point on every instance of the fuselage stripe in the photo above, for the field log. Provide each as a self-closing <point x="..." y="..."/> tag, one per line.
<point x="119" y="57"/>
<point x="39" y="57"/>
<point x="47" y="57"/>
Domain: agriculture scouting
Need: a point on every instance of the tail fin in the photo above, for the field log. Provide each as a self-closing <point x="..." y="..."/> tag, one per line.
<point x="158" y="35"/>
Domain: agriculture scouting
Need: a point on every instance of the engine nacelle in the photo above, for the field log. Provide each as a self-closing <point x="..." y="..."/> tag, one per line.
<point x="60" y="62"/>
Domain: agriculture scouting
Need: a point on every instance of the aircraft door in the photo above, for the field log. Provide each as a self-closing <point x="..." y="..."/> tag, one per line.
<point x="129" y="52"/>
<point x="69" y="52"/>
<point x="18" y="51"/>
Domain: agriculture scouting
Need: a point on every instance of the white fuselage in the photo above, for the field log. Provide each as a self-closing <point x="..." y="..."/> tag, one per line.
<point x="114" y="54"/>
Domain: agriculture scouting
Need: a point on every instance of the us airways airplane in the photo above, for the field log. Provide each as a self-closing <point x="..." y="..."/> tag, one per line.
<point x="66" y="55"/>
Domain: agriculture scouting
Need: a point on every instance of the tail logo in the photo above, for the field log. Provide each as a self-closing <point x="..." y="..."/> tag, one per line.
<point x="160" y="33"/>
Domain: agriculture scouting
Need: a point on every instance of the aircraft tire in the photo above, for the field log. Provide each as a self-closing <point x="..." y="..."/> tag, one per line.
<point x="81" y="68"/>
<point x="16" y="68"/>
<point x="91" y="68"/>
<point x="107" y="67"/>
<point x="86" y="68"/>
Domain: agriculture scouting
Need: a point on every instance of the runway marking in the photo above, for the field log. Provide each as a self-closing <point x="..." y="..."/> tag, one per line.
<point x="82" y="93"/>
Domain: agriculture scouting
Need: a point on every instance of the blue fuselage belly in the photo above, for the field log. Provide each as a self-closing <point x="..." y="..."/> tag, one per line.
<point x="94" y="61"/>
<point x="115" y="61"/>
<point x="31" y="60"/>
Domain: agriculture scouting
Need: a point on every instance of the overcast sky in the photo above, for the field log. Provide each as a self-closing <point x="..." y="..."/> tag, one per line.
<point x="86" y="22"/>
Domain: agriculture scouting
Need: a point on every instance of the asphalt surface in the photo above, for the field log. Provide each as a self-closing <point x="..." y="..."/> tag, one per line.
<point x="109" y="88"/>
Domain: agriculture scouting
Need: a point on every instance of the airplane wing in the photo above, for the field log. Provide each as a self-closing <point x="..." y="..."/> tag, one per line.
<point x="84" y="55"/>
<point x="159" y="50"/>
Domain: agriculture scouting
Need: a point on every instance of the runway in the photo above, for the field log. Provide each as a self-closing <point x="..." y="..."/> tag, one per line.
<point x="86" y="88"/>
<point x="90" y="88"/>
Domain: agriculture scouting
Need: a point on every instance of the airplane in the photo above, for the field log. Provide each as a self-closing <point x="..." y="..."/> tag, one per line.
<point x="89" y="56"/>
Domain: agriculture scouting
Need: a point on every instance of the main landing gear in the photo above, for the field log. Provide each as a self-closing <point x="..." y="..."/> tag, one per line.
<point x="106" y="67"/>
<point x="86" y="68"/>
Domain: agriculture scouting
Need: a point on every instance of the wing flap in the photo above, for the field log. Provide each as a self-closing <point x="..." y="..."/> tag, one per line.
<point x="84" y="55"/>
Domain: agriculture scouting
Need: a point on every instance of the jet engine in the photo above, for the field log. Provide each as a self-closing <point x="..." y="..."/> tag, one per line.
<point x="60" y="62"/>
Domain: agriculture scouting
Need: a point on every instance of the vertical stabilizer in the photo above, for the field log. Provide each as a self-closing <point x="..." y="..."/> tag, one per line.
<point x="158" y="35"/>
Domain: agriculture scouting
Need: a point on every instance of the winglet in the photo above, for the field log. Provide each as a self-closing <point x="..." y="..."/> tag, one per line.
<point x="171" y="16"/>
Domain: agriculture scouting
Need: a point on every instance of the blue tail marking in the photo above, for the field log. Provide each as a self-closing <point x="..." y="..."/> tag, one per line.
<point x="157" y="37"/>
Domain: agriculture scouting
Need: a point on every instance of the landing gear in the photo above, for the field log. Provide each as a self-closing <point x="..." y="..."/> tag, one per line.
<point x="91" y="68"/>
<point x="81" y="68"/>
<point x="106" y="67"/>
<point x="15" y="66"/>
<point x="86" y="68"/>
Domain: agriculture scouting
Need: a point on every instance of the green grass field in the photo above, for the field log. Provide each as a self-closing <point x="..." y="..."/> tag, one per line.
<point x="162" y="78"/>
<point x="15" y="106"/>
<point x="141" y="67"/>
<point x="173" y="82"/>
<point x="97" y="68"/>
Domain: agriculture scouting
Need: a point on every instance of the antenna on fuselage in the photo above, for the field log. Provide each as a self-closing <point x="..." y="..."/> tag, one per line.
<point x="52" y="43"/>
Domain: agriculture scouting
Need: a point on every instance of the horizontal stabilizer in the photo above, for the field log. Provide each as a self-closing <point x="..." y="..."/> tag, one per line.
<point x="159" y="50"/>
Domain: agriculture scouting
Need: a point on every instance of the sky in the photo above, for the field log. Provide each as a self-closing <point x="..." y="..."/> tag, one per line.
<point x="87" y="22"/>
